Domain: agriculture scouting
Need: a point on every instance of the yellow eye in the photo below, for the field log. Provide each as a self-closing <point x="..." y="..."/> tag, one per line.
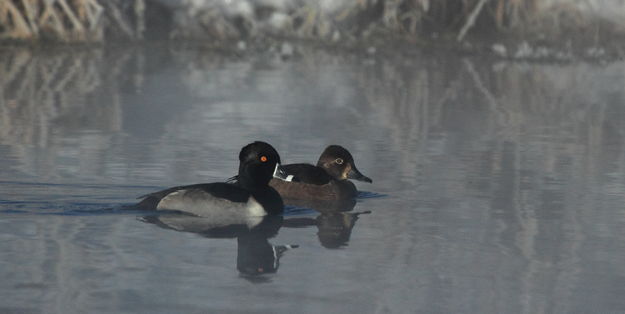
<point x="263" y="158"/>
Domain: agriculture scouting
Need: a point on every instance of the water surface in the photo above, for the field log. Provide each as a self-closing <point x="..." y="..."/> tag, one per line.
<point x="502" y="184"/>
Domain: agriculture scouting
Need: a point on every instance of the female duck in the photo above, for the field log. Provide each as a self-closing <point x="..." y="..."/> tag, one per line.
<point x="250" y="196"/>
<point x="328" y="180"/>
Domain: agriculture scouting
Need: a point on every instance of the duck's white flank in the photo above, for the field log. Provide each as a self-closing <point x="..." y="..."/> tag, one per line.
<point x="204" y="204"/>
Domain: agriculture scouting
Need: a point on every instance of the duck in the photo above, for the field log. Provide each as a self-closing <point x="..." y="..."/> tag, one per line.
<point x="249" y="196"/>
<point x="327" y="181"/>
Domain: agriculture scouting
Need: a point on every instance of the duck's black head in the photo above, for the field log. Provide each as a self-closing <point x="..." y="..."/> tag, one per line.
<point x="257" y="164"/>
<point x="339" y="163"/>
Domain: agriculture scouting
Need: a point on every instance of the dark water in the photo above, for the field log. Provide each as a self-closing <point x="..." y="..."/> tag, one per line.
<point x="502" y="184"/>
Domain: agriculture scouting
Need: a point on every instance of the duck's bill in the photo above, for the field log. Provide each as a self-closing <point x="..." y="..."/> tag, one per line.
<point x="280" y="173"/>
<point x="356" y="175"/>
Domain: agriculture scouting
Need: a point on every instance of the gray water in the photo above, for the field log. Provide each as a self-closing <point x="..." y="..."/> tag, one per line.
<point x="498" y="187"/>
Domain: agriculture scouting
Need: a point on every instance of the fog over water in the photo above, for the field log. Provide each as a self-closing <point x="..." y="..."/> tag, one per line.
<point x="498" y="187"/>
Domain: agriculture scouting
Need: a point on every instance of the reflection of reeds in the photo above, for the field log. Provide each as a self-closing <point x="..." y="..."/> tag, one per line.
<point x="533" y="141"/>
<point x="38" y="91"/>
<point x="530" y="140"/>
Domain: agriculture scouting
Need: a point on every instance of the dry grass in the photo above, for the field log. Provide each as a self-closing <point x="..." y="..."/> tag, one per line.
<point x="89" y="20"/>
<point x="73" y="20"/>
<point x="67" y="20"/>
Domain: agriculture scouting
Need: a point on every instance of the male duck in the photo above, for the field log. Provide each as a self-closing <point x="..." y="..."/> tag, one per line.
<point x="328" y="180"/>
<point x="249" y="196"/>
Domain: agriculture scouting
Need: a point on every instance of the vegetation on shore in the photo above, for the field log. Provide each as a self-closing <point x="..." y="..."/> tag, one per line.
<point x="505" y="27"/>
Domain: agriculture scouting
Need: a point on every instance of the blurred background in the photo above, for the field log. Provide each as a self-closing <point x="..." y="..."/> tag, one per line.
<point x="510" y="28"/>
<point x="493" y="130"/>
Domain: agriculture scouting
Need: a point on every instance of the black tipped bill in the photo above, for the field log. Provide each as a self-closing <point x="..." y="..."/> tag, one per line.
<point x="356" y="175"/>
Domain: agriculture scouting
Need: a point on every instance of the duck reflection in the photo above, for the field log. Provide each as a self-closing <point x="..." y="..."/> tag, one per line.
<point x="255" y="255"/>
<point x="334" y="223"/>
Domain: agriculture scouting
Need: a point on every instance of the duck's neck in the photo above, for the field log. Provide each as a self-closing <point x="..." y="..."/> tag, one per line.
<point x="249" y="184"/>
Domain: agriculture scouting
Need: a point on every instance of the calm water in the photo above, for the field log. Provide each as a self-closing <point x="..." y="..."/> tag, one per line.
<point x="498" y="187"/>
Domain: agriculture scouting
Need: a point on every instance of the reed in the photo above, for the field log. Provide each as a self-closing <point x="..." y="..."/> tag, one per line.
<point x="69" y="20"/>
<point x="97" y="20"/>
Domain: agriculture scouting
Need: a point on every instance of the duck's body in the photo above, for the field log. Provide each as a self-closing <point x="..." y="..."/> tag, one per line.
<point x="308" y="173"/>
<point x="328" y="180"/>
<point x="250" y="196"/>
<point x="216" y="200"/>
<point x="333" y="190"/>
